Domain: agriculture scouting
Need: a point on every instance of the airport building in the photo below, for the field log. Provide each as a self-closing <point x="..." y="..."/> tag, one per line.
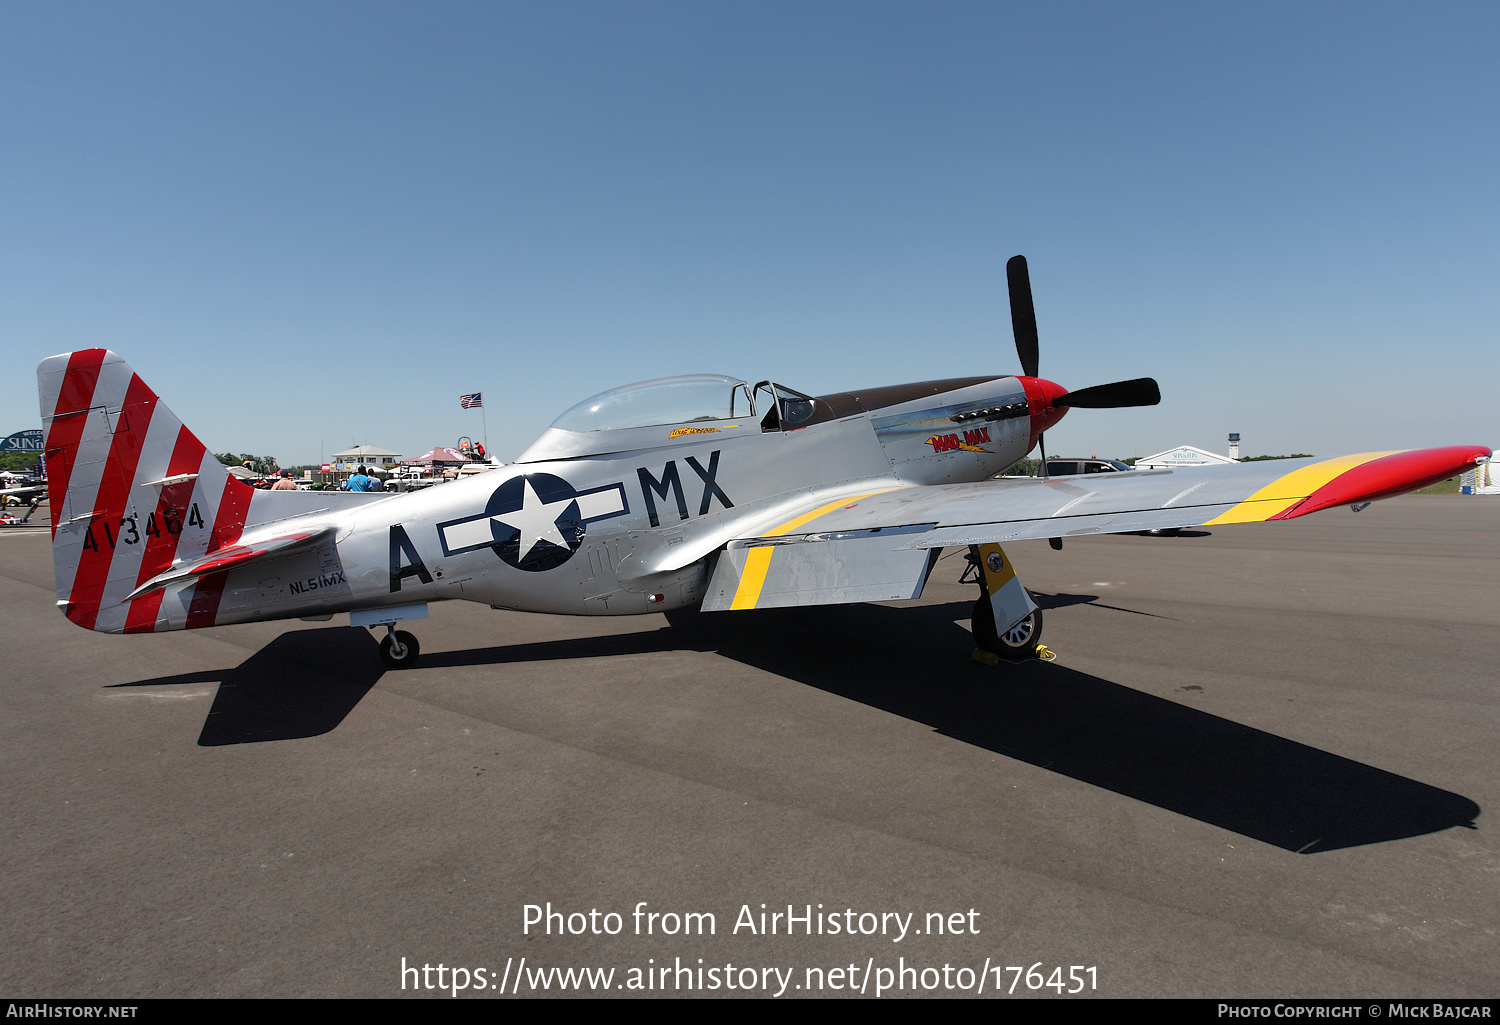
<point x="365" y="455"/>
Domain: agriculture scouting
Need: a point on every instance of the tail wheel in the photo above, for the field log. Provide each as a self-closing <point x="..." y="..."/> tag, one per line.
<point x="399" y="649"/>
<point x="1019" y="641"/>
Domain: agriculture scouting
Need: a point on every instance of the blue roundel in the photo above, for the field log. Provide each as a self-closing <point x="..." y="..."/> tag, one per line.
<point x="535" y="522"/>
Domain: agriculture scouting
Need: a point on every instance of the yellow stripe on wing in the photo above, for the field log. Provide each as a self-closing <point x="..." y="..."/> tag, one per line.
<point x="1284" y="492"/>
<point x="758" y="560"/>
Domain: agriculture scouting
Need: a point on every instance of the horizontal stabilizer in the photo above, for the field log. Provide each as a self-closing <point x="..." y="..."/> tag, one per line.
<point x="233" y="558"/>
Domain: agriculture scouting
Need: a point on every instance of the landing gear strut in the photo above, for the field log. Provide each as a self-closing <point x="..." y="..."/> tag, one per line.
<point x="398" y="649"/>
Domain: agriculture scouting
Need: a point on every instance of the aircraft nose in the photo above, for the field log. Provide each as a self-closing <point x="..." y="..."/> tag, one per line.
<point x="1040" y="396"/>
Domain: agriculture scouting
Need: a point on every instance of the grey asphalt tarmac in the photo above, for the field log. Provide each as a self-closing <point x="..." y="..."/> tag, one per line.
<point x="1266" y="762"/>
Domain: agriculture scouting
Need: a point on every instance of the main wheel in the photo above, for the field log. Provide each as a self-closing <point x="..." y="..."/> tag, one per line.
<point x="1018" y="642"/>
<point x="399" y="650"/>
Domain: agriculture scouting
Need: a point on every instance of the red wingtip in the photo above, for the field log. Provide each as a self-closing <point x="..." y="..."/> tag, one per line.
<point x="1390" y="475"/>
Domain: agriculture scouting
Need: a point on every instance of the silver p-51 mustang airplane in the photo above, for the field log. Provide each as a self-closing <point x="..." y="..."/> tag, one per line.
<point x="688" y="492"/>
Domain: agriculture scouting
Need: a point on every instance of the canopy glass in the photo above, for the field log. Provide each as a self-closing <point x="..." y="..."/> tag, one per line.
<point x="666" y="400"/>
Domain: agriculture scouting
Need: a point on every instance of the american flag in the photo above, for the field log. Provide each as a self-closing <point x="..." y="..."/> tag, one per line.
<point x="470" y="401"/>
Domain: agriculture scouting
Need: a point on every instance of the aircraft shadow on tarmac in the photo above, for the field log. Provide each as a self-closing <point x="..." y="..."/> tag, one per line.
<point x="913" y="662"/>
<point x="300" y="685"/>
<point x="1058" y="601"/>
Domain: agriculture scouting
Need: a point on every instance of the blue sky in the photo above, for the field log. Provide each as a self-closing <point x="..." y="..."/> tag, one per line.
<point x="306" y="224"/>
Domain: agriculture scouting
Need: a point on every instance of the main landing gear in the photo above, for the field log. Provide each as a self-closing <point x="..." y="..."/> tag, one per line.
<point x="1006" y="622"/>
<point x="1019" y="641"/>
<point x="398" y="649"/>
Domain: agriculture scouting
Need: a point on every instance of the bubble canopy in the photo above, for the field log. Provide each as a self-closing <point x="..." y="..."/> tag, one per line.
<point x="666" y="400"/>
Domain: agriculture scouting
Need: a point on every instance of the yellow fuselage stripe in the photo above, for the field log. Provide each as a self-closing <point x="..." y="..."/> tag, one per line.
<point x="1284" y="492"/>
<point x="758" y="560"/>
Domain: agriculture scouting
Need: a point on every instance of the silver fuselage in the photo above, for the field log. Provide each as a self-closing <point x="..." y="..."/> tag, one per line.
<point x="654" y="506"/>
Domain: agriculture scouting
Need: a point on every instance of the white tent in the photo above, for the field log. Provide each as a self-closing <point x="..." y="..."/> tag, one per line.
<point x="1182" y="455"/>
<point x="1484" y="479"/>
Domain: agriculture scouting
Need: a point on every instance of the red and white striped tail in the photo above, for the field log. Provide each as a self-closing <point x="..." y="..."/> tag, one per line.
<point x="131" y="491"/>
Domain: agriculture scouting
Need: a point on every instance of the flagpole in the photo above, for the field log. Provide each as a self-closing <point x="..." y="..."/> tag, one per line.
<point x="469" y="402"/>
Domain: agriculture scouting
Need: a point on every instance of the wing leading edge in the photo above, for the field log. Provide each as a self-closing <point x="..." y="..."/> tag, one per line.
<point x="1199" y="496"/>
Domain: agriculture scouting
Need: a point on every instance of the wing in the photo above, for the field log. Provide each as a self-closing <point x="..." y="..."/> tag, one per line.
<point x="880" y="546"/>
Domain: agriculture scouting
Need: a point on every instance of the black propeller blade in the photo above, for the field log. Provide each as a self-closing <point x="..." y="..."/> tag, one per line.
<point x="1140" y="392"/>
<point x="1022" y="314"/>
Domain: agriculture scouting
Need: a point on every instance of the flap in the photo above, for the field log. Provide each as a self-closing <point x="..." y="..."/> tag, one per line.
<point x="818" y="570"/>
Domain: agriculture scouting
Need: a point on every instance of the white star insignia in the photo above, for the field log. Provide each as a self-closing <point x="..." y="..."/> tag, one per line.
<point x="536" y="520"/>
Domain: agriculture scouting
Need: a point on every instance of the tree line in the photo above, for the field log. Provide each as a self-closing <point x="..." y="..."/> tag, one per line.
<point x="257" y="464"/>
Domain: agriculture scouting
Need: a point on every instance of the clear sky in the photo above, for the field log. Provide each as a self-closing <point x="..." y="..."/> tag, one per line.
<point x="307" y="224"/>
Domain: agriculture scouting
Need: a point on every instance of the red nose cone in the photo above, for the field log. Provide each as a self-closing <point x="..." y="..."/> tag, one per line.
<point x="1040" y="394"/>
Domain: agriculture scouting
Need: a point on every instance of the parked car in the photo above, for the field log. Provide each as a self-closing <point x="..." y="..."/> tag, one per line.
<point x="410" y="482"/>
<point x="1068" y="467"/>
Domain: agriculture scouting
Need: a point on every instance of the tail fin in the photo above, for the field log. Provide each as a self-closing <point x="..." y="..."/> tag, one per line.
<point x="131" y="490"/>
